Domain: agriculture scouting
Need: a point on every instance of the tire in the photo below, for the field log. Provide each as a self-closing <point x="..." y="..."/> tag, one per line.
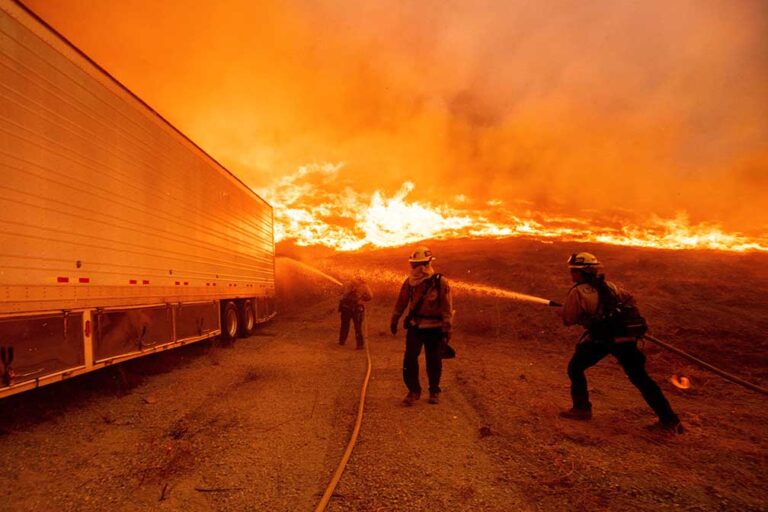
<point x="247" y="319"/>
<point x="230" y="322"/>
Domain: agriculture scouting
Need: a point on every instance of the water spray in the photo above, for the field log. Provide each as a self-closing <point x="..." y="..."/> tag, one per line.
<point x="502" y="293"/>
<point x="312" y="269"/>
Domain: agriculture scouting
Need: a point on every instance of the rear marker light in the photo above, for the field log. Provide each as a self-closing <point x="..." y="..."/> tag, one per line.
<point x="62" y="279"/>
<point x="85" y="280"/>
<point x="132" y="281"/>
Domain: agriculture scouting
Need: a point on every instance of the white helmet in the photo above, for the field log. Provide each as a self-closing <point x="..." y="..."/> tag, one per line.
<point x="585" y="262"/>
<point x="421" y="255"/>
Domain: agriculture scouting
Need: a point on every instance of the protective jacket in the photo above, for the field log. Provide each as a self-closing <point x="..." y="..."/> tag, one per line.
<point x="435" y="311"/>
<point x="581" y="304"/>
<point x="355" y="294"/>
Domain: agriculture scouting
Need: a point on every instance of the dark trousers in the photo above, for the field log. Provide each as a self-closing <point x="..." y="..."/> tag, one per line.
<point x="430" y="339"/>
<point x="357" y="316"/>
<point x="589" y="353"/>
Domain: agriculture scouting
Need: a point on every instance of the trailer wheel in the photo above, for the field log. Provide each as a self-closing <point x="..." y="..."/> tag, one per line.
<point x="230" y="322"/>
<point x="247" y="319"/>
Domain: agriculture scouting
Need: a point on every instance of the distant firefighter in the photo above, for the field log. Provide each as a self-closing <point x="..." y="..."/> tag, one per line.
<point x="613" y="326"/>
<point x="428" y="323"/>
<point x="352" y="308"/>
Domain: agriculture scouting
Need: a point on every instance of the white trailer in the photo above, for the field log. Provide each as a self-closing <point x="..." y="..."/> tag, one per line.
<point x="119" y="237"/>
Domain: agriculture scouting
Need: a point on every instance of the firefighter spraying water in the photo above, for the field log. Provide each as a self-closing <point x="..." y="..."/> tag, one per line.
<point x="352" y="309"/>
<point x="613" y="326"/>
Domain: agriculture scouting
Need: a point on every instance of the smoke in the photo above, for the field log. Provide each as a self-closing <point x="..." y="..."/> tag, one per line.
<point x="640" y="107"/>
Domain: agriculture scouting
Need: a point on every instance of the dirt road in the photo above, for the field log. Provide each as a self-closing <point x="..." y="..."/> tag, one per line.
<point x="256" y="426"/>
<point x="260" y="425"/>
<point x="423" y="457"/>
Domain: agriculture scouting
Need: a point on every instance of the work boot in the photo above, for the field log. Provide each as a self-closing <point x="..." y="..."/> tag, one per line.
<point x="411" y="397"/>
<point x="577" y="414"/>
<point x="342" y="343"/>
<point x="434" y="398"/>
<point x="668" y="427"/>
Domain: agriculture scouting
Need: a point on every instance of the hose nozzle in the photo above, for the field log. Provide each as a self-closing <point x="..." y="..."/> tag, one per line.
<point x="555" y="304"/>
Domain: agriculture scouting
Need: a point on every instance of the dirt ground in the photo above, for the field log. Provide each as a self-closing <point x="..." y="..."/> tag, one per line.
<point x="261" y="425"/>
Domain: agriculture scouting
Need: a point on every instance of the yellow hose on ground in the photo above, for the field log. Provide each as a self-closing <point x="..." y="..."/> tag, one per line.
<point x="352" y="440"/>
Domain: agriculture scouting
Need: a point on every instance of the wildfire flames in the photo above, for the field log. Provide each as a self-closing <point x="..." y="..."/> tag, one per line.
<point x="581" y="121"/>
<point x="349" y="220"/>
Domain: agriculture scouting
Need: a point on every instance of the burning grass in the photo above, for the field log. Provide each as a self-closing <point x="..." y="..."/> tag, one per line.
<point x="349" y="221"/>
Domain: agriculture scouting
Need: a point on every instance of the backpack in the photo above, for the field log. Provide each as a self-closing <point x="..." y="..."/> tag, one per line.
<point x="614" y="318"/>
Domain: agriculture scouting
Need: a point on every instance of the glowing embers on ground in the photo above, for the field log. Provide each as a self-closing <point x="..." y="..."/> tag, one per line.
<point x="311" y="208"/>
<point x="680" y="381"/>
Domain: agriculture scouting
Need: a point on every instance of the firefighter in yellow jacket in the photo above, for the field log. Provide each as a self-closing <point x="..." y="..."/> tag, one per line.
<point x="427" y="295"/>
<point x="588" y="304"/>
<point x="352" y="308"/>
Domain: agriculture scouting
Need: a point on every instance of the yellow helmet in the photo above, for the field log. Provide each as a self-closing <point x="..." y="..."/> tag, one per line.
<point x="421" y="255"/>
<point x="585" y="262"/>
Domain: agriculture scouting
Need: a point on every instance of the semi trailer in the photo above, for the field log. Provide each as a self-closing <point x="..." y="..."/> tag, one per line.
<point x="119" y="236"/>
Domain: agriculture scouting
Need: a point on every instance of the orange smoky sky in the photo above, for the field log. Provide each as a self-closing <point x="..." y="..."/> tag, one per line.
<point x="649" y="107"/>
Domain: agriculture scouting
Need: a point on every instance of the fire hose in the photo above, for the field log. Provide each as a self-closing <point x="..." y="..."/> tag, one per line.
<point x="352" y="440"/>
<point x="704" y="364"/>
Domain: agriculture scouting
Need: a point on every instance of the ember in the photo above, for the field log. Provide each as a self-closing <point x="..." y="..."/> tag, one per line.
<point x="680" y="381"/>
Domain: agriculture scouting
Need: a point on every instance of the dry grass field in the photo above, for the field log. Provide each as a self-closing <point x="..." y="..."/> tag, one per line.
<point x="513" y="356"/>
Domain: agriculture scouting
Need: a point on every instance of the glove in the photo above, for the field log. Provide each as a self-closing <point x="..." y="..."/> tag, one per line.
<point x="393" y="327"/>
<point x="446" y="337"/>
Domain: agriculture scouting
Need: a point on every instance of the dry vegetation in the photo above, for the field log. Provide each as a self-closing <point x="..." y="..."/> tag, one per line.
<point x="512" y="370"/>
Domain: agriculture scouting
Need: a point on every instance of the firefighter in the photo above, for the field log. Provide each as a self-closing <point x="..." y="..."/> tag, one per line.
<point x="427" y="295"/>
<point x="352" y="308"/>
<point x="585" y="305"/>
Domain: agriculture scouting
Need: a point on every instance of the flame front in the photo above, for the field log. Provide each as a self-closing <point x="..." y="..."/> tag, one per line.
<point x="587" y="121"/>
<point x="349" y="220"/>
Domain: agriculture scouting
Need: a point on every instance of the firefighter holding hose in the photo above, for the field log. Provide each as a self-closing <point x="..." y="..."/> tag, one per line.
<point x="427" y="295"/>
<point x="352" y="309"/>
<point x="613" y="326"/>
